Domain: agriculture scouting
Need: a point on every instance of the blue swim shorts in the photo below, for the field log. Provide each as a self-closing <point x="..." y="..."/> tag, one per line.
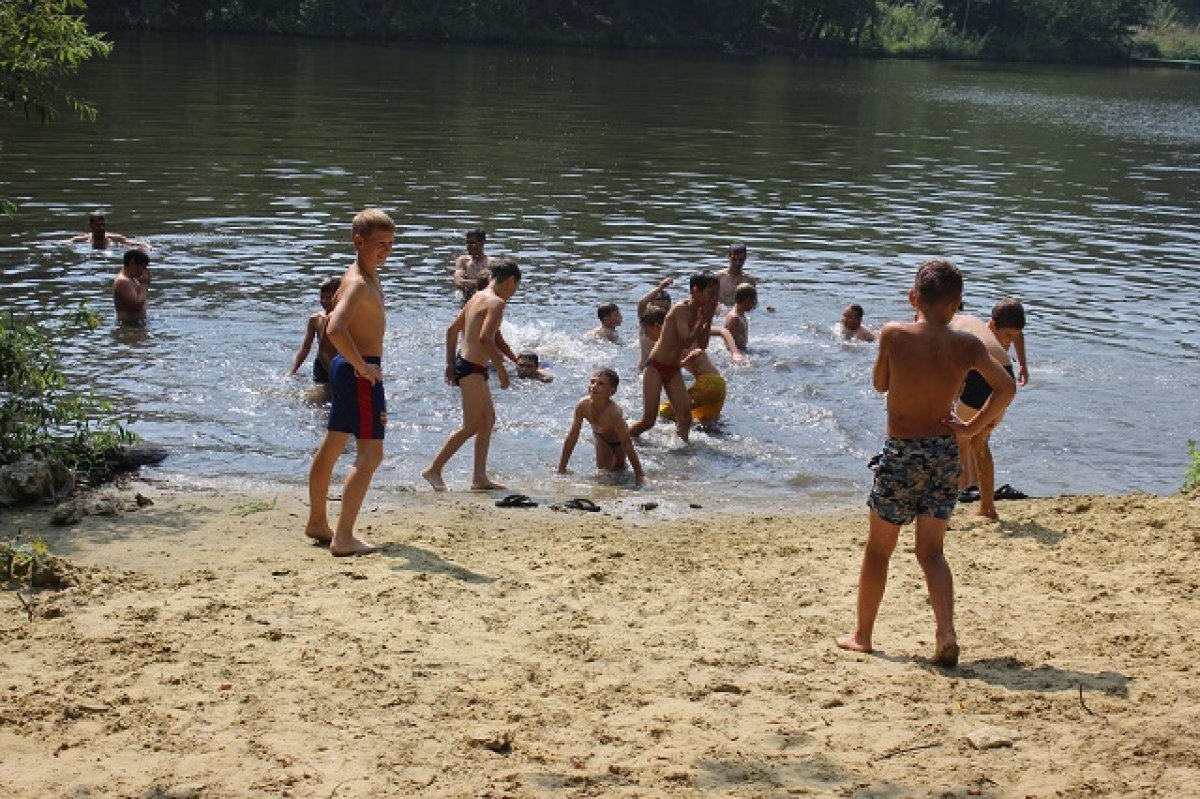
<point x="916" y="477"/>
<point x="358" y="407"/>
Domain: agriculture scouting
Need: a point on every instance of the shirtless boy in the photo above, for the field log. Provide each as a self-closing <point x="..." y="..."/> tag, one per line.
<point x="852" y="326"/>
<point x="355" y="327"/>
<point x="921" y="366"/>
<point x="468" y="267"/>
<point x="99" y="236"/>
<point x="1004" y="330"/>
<point x="130" y="286"/>
<point x="734" y="275"/>
<point x="687" y="326"/>
<point x="478" y="323"/>
<point x="610" y="319"/>
<point x="745" y="300"/>
<point x="609" y="432"/>
<point x="316" y="330"/>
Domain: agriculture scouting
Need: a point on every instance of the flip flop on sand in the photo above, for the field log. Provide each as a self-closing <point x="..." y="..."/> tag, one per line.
<point x="582" y="503"/>
<point x="1008" y="492"/>
<point x="969" y="494"/>
<point x="516" y="501"/>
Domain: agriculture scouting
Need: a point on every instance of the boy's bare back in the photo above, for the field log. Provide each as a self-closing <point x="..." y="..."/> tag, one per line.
<point x="921" y="366"/>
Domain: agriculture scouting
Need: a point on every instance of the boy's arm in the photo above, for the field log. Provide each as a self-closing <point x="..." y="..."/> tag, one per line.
<point x="460" y="274"/>
<point x="505" y="350"/>
<point x="630" y="451"/>
<point x="452" y="333"/>
<point x="306" y="347"/>
<point x="130" y="291"/>
<point x="702" y="326"/>
<point x="1003" y="391"/>
<point x="572" y="437"/>
<point x="644" y="302"/>
<point x="338" y="332"/>
<point x="734" y="353"/>
<point x="1023" y="372"/>
<point x="487" y="338"/>
<point x="881" y="375"/>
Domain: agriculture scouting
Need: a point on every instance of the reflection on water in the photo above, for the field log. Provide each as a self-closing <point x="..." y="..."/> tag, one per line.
<point x="242" y="161"/>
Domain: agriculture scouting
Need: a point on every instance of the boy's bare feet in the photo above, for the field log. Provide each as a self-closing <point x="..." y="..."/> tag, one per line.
<point x="946" y="653"/>
<point x="485" y="485"/>
<point x="355" y="547"/>
<point x="322" y="535"/>
<point x="851" y="642"/>
<point x="989" y="513"/>
<point x="434" y="479"/>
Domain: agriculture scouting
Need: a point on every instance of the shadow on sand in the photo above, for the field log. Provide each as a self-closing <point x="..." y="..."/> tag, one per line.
<point x="422" y="560"/>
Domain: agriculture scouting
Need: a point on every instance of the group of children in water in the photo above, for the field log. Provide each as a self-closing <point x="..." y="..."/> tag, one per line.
<point x="942" y="360"/>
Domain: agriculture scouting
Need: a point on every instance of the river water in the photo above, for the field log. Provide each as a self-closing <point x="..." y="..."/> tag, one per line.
<point x="242" y="160"/>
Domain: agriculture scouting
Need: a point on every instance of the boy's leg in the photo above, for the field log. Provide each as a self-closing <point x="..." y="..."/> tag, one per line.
<point x="931" y="532"/>
<point x="872" y="579"/>
<point x="966" y="455"/>
<point x="985" y="471"/>
<point x="319" y="474"/>
<point x="470" y="425"/>
<point x="483" y="441"/>
<point x="681" y="402"/>
<point x="367" y="459"/>
<point x="651" y="391"/>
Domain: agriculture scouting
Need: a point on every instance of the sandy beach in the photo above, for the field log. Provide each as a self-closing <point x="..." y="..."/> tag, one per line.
<point x="207" y="650"/>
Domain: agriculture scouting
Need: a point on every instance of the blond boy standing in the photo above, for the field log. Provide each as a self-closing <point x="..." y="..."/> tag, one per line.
<point x="355" y="327"/>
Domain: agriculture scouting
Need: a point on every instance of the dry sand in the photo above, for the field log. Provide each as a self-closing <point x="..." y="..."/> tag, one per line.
<point x="209" y="651"/>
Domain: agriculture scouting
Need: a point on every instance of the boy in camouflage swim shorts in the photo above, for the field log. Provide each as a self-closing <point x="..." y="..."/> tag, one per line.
<point x="921" y="366"/>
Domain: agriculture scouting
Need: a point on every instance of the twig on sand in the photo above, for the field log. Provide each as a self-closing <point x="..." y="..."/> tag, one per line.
<point x="27" y="605"/>
<point x="904" y="750"/>
<point x="1081" y="704"/>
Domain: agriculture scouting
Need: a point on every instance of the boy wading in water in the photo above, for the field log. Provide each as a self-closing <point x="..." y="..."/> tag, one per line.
<point x="355" y="327"/>
<point x="921" y="366"/>
<point x="686" y="327"/>
<point x="479" y="325"/>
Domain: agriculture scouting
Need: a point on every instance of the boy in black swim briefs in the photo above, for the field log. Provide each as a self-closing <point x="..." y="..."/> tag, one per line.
<point x="1003" y="331"/>
<point x="921" y="366"/>
<point x="478" y="323"/>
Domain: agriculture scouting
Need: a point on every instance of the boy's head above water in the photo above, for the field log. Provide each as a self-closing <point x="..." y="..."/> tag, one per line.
<point x="937" y="290"/>
<point x="603" y="383"/>
<point x="527" y="363"/>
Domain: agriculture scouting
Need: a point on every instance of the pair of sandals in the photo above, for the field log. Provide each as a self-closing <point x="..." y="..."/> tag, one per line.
<point x="971" y="493"/>
<point x="522" y="501"/>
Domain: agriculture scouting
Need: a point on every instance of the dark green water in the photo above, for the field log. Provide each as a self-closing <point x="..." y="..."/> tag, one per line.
<point x="242" y="160"/>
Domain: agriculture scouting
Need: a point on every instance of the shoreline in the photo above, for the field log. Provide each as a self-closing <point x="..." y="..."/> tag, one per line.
<point x="209" y="651"/>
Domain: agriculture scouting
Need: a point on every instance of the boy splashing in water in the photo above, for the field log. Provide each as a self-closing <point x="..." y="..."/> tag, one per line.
<point x="359" y="409"/>
<point x="921" y="366"/>
<point x="609" y="433"/>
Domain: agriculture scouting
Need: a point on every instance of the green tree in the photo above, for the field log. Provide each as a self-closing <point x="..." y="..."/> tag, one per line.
<point x="43" y="42"/>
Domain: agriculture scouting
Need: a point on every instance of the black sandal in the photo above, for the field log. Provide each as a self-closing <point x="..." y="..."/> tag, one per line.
<point x="516" y="501"/>
<point x="582" y="503"/>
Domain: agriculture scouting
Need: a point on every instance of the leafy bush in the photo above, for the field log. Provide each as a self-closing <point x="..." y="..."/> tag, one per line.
<point x="916" y="29"/>
<point x="1167" y="35"/>
<point x="39" y="414"/>
<point x="1191" y="478"/>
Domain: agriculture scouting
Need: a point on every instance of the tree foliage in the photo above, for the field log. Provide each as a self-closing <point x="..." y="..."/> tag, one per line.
<point x="39" y="413"/>
<point x="43" y="42"/>
<point x="1091" y="30"/>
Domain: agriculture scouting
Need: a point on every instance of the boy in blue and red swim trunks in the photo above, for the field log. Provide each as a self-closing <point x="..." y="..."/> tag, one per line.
<point x="921" y="365"/>
<point x="355" y="326"/>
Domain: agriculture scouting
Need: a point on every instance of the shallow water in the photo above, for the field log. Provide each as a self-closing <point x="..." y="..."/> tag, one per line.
<point x="242" y="160"/>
